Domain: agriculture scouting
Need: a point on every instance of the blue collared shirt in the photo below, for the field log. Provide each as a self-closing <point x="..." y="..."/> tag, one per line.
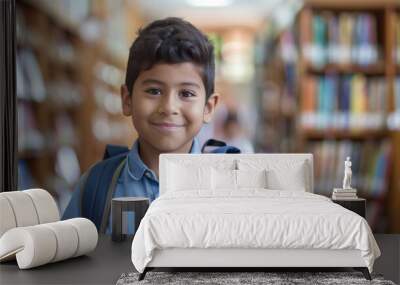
<point x="135" y="180"/>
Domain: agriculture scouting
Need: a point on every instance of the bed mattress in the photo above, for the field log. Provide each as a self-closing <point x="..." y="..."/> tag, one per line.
<point x="250" y="219"/>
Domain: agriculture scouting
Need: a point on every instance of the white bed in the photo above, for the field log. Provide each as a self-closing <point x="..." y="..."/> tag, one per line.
<point x="202" y="220"/>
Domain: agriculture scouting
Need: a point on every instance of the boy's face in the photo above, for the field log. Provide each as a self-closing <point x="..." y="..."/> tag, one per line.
<point x="168" y="106"/>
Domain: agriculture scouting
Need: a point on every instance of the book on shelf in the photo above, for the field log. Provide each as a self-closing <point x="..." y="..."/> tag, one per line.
<point x="343" y="102"/>
<point x="29" y="77"/>
<point x="30" y="137"/>
<point x="394" y="117"/>
<point x="343" y="38"/>
<point x="397" y="94"/>
<point x="378" y="182"/>
<point x="317" y="48"/>
<point x="345" y="23"/>
<point x="397" y="40"/>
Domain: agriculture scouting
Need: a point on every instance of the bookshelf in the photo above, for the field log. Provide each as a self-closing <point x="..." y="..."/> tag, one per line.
<point x="67" y="91"/>
<point x="348" y="71"/>
<point x="275" y="82"/>
<point x="394" y="49"/>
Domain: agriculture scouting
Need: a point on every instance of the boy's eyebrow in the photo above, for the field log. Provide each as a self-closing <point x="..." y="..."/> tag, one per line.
<point x="152" y="81"/>
<point x="191" y="84"/>
<point x="155" y="81"/>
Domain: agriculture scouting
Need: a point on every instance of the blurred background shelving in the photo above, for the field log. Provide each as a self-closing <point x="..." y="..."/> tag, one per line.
<point x="294" y="76"/>
<point x="69" y="73"/>
<point x="328" y="84"/>
<point x="347" y="97"/>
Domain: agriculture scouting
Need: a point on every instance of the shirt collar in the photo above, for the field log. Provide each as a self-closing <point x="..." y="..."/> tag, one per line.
<point x="136" y="166"/>
<point x="195" y="146"/>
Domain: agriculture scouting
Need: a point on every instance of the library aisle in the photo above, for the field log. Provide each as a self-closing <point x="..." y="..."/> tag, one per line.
<point x="294" y="76"/>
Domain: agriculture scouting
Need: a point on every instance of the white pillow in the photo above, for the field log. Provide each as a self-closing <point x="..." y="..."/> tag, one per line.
<point x="282" y="174"/>
<point x="188" y="177"/>
<point x="251" y="178"/>
<point x="223" y="179"/>
<point x="291" y="181"/>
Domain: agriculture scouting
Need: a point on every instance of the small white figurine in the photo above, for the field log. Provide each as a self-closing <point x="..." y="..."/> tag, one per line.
<point x="347" y="174"/>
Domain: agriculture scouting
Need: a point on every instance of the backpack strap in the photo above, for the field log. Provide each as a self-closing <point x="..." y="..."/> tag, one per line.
<point x="110" y="194"/>
<point x="100" y="181"/>
<point x="220" y="147"/>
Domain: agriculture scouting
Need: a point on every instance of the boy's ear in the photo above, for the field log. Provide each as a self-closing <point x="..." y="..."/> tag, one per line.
<point x="210" y="106"/>
<point x="126" y="101"/>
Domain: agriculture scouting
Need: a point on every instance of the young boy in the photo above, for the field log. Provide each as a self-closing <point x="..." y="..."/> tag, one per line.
<point x="169" y="94"/>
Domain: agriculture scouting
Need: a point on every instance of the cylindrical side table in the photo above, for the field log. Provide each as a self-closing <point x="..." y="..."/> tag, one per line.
<point x="139" y="205"/>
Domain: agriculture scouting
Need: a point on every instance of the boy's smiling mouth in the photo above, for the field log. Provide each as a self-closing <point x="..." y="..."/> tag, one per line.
<point x="167" y="126"/>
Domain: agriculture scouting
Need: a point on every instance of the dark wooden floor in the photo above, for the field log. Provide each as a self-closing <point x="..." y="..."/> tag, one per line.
<point x="389" y="262"/>
<point x="110" y="260"/>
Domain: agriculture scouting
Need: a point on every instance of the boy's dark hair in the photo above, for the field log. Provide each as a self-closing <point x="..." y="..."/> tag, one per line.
<point x="171" y="40"/>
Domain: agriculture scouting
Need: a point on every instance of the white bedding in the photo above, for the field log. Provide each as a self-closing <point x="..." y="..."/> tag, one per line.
<point x="251" y="218"/>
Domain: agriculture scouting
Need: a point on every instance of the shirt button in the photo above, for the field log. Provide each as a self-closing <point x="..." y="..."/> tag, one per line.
<point x="148" y="174"/>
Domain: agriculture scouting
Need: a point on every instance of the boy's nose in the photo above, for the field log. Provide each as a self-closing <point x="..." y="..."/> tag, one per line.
<point x="169" y="105"/>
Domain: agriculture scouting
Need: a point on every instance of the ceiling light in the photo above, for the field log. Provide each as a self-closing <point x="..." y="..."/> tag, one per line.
<point x="209" y="3"/>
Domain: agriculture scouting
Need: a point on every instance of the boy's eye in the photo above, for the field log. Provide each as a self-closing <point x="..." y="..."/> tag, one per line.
<point x="187" y="94"/>
<point x="153" y="91"/>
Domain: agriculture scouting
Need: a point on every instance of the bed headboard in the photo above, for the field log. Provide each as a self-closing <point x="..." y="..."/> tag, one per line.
<point x="282" y="162"/>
